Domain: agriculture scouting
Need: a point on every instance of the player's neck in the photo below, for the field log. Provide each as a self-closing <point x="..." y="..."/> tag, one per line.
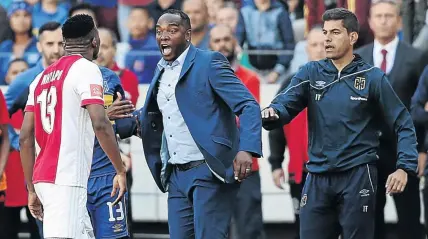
<point x="386" y="40"/>
<point x="82" y="52"/>
<point x="344" y="61"/>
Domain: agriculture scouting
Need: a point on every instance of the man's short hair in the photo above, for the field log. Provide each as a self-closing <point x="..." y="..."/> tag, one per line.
<point x="185" y="20"/>
<point x="349" y="20"/>
<point x="142" y="8"/>
<point x="78" y="26"/>
<point x="49" y="26"/>
<point x="81" y="6"/>
<point x="16" y="60"/>
<point x="392" y="2"/>
<point x="112" y="35"/>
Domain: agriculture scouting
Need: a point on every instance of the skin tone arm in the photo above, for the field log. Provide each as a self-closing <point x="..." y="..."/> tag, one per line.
<point x="4" y="148"/>
<point x="27" y="146"/>
<point x="105" y="135"/>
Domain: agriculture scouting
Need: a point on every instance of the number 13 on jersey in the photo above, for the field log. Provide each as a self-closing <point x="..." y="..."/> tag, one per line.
<point x="47" y="100"/>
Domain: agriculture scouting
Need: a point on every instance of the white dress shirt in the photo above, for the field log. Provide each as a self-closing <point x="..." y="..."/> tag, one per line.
<point x="391" y="49"/>
<point x="181" y="145"/>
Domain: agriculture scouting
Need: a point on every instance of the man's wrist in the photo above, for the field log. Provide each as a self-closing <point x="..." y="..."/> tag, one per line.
<point x="30" y="188"/>
<point x="121" y="170"/>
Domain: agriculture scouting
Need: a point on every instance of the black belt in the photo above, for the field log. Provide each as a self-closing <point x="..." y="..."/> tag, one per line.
<point x="189" y="165"/>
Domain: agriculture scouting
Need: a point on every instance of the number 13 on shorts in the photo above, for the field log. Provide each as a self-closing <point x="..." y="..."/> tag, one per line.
<point x="116" y="213"/>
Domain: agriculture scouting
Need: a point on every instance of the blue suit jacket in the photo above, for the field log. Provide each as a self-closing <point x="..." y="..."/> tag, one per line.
<point x="209" y="96"/>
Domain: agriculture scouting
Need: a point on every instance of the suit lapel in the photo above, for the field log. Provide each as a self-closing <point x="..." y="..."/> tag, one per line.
<point x="370" y="53"/>
<point x="188" y="62"/>
<point x="398" y="62"/>
<point x="152" y="91"/>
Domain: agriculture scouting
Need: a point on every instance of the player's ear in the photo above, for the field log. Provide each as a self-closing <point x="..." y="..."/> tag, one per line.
<point x="39" y="47"/>
<point x="188" y="35"/>
<point x="353" y="37"/>
<point x="94" y="42"/>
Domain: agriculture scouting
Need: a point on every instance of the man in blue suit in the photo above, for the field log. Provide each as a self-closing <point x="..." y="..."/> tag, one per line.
<point x="193" y="147"/>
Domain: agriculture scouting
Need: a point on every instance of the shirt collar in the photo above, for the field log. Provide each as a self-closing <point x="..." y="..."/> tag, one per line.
<point x="115" y="67"/>
<point x="390" y="47"/>
<point x="179" y="61"/>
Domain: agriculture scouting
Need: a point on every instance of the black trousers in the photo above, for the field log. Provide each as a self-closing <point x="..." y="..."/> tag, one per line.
<point x="247" y="222"/>
<point x="296" y="195"/>
<point x="407" y="203"/>
<point x="13" y="225"/>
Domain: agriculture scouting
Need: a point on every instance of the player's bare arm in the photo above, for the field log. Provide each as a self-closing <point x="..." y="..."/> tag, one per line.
<point x="27" y="145"/>
<point x="105" y="135"/>
<point x="4" y="147"/>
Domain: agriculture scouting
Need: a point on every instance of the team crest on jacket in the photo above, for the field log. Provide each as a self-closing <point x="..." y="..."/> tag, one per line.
<point x="360" y="83"/>
<point x="303" y="200"/>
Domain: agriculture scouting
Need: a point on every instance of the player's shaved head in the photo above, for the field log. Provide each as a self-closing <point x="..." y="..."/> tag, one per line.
<point x="81" y="36"/>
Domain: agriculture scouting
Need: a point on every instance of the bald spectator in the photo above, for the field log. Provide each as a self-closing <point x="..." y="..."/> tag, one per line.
<point x="106" y="56"/>
<point x="247" y="218"/>
<point x="228" y="16"/>
<point x="199" y="19"/>
<point x="266" y="25"/>
<point x="159" y="6"/>
<point x="295" y="135"/>
<point x="144" y="53"/>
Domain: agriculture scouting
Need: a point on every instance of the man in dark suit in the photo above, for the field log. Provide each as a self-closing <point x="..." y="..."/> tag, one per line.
<point x="191" y="141"/>
<point x="403" y="66"/>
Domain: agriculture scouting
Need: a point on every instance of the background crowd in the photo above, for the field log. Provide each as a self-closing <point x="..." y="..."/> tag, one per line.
<point x="266" y="42"/>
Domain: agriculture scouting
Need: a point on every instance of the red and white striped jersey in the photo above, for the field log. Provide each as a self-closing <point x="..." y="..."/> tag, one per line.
<point x="63" y="128"/>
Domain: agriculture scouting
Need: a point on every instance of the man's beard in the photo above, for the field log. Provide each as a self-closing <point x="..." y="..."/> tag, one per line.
<point x="231" y="56"/>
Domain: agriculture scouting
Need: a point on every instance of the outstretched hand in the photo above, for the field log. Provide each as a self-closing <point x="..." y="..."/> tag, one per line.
<point x="120" y="109"/>
<point x="269" y="114"/>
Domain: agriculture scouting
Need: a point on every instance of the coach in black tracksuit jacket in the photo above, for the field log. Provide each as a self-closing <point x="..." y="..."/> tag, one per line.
<point x="345" y="113"/>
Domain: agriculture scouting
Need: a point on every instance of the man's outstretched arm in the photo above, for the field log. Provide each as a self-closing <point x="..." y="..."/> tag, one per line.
<point x="288" y="103"/>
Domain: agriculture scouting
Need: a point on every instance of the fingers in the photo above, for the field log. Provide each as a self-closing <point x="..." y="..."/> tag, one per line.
<point x="36" y="211"/>
<point x="119" y="96"/>
<point x="269" y="114"/>
<point x="120" y="196"/>
<point x="277" y="181"/>
<point x="395" y="184"/>
<point x="115" y="187"/>
<point x="237" y="169"/>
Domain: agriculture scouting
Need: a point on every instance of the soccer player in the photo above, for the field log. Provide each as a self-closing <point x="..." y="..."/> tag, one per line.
<point x="64" y="113"/>
<point x="347" y="100"/>
<point x="108" y="220"/>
